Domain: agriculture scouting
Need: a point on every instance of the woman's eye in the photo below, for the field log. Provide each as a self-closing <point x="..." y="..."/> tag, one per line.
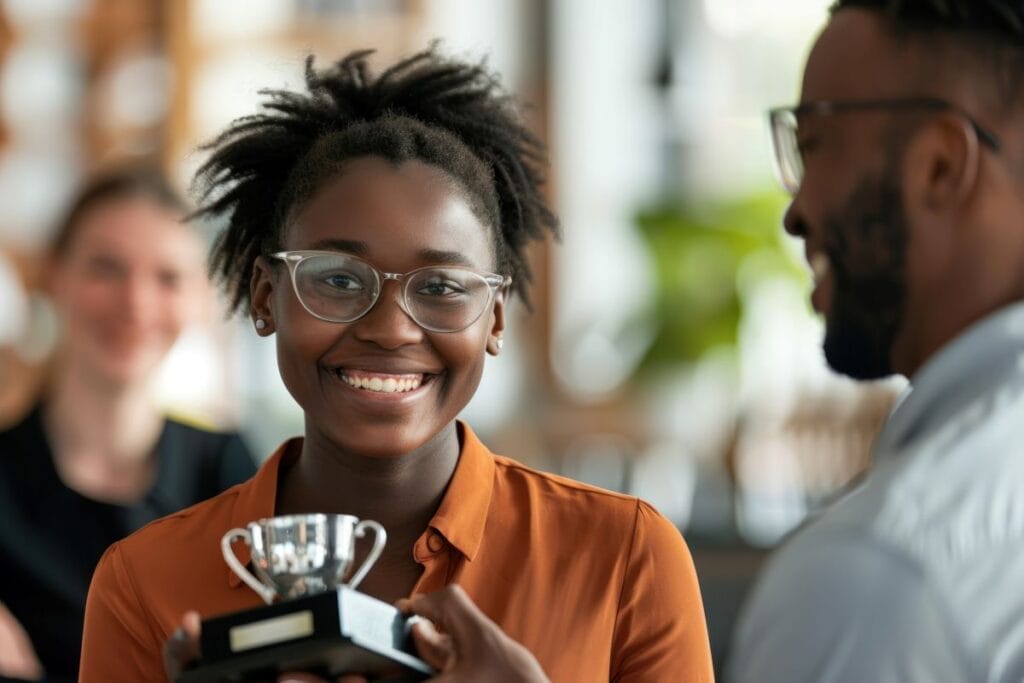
<point x="106" y="268"/>
<point x="439" y="288"/>
<point x="343" y="282"/>
<point x="169" y="280"/>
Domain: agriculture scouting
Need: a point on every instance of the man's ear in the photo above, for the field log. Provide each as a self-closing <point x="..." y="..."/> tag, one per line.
<point x="496" y="337"/>
<point x="261" y="290"/>
<point x="941" y="163"/>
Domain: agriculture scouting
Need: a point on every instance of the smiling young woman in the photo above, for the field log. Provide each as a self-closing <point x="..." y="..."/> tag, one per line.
<point x="376" y="228"/>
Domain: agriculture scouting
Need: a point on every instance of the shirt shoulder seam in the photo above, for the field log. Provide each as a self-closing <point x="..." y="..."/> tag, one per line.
<point x="186" y="512"/>
<point x="622" y="585"/>
<point x="564" y="482"/>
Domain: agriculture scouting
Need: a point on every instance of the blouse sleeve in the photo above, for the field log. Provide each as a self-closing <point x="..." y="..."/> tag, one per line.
<point x="660" y="632"/>
<point x="118" y="643"/>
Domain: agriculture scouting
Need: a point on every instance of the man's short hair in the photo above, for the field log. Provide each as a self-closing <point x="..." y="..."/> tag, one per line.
<point x="990" y="33"/>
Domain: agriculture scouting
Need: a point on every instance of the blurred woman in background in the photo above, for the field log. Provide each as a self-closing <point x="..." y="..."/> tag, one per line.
<point x="97" y="458"/>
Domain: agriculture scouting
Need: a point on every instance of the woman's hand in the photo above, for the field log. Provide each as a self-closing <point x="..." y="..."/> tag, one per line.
<point x="182" y="649"/>
<point x="17" y="656"/>
<point x="310" y="678"/>
<point x="466" y="645"/>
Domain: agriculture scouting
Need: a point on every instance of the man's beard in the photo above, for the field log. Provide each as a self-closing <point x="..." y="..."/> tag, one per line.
<point x="867" y="244"/>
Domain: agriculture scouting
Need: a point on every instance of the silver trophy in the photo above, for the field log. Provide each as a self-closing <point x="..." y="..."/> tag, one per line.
<point x="298" y="555"/>
<point x="314" y="619"/>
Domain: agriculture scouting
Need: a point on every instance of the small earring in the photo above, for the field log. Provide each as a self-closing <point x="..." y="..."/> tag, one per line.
<point x="261" y="324"/>
<point x="499" y="342"/>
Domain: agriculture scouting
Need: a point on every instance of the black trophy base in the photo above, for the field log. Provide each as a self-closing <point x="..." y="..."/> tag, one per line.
<point x="327" y="634"/>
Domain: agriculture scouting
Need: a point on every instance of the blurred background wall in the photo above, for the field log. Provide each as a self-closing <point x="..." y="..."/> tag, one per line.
<point x="671" y="352"/>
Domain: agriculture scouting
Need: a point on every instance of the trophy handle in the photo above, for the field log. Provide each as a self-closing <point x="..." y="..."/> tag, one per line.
<point x="238" y="568"/>
<point x="380" y="537"/>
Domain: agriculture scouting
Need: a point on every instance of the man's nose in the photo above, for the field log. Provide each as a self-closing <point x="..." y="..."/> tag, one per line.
<point x="793" y="221"/>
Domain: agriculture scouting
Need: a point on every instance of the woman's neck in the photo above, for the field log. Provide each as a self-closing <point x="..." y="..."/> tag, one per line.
<point x="102" y="436"/>
<point x="402" y="493"/>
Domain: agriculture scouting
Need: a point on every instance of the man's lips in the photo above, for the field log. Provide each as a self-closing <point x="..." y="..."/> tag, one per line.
<point x="821" y="266"/>
<point x="821" y="272"/>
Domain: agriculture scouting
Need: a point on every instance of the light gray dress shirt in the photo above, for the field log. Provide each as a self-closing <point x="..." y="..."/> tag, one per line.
<point x="918" y="574"/>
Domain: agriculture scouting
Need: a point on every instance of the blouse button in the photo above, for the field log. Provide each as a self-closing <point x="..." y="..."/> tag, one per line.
<point x="434" y="542"/>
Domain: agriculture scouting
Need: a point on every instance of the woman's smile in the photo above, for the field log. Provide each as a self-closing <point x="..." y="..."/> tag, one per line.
<point x="385" y="387"/>
<point x="381" y="382"/>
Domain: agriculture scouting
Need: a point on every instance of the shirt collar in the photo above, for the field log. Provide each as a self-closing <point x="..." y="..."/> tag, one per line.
<point x="988" y="353"/>
<point x="462" y="515"/>
<point x="460" y="518"/>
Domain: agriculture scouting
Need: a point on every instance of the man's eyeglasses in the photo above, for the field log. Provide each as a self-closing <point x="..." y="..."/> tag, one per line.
<point x="341" y="288"/>
<point x="789" y="163"/>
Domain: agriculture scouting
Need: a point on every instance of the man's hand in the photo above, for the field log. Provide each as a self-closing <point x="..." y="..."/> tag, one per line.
<point x="463" y="644"/>
<point x="17" y="656"/>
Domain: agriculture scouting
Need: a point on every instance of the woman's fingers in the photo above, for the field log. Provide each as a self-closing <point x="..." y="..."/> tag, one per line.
<point x="295" y="677"/>
<point x="183" y="646"/>
<point x="452" y="612"/>
<point x="466" y="646"/>
<point x="17" y="656"/>
<point x="436" y="649"/>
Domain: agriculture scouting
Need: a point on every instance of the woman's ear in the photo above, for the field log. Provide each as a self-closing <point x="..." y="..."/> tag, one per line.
<point x="496" y="337"/>
<point x="53" y="275"/>
<point x="261" y="290"/>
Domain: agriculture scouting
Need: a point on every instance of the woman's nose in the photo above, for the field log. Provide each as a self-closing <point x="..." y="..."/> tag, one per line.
<point x="388" y="324"/>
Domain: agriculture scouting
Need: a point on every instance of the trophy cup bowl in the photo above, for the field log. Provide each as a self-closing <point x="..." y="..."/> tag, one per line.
<point x="296" y="555"/>
<point x="314" y="619"/>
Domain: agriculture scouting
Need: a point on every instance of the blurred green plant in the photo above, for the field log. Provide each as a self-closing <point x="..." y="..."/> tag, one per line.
<point x="706" y="259"/>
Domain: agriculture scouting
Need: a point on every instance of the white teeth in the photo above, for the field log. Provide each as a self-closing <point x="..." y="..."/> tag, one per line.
<point x="389" y="385"/>
<point x="820" y="266"/>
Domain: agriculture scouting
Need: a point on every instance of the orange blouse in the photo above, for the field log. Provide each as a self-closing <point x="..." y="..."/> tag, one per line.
<point x="597" y="585"/>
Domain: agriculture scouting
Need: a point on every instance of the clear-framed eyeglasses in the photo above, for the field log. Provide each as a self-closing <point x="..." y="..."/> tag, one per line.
<point x="341" y="288"/>
<point x="784" y="122"/>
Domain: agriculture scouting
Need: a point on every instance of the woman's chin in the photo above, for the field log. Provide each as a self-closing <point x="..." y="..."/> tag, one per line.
<point x="126" y="369"/>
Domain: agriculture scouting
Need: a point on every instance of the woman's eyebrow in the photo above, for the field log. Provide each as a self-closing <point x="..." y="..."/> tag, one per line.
<point x="359" y="248"/>
<point x="354" y="247"/>
<point x="446" y="258"/>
